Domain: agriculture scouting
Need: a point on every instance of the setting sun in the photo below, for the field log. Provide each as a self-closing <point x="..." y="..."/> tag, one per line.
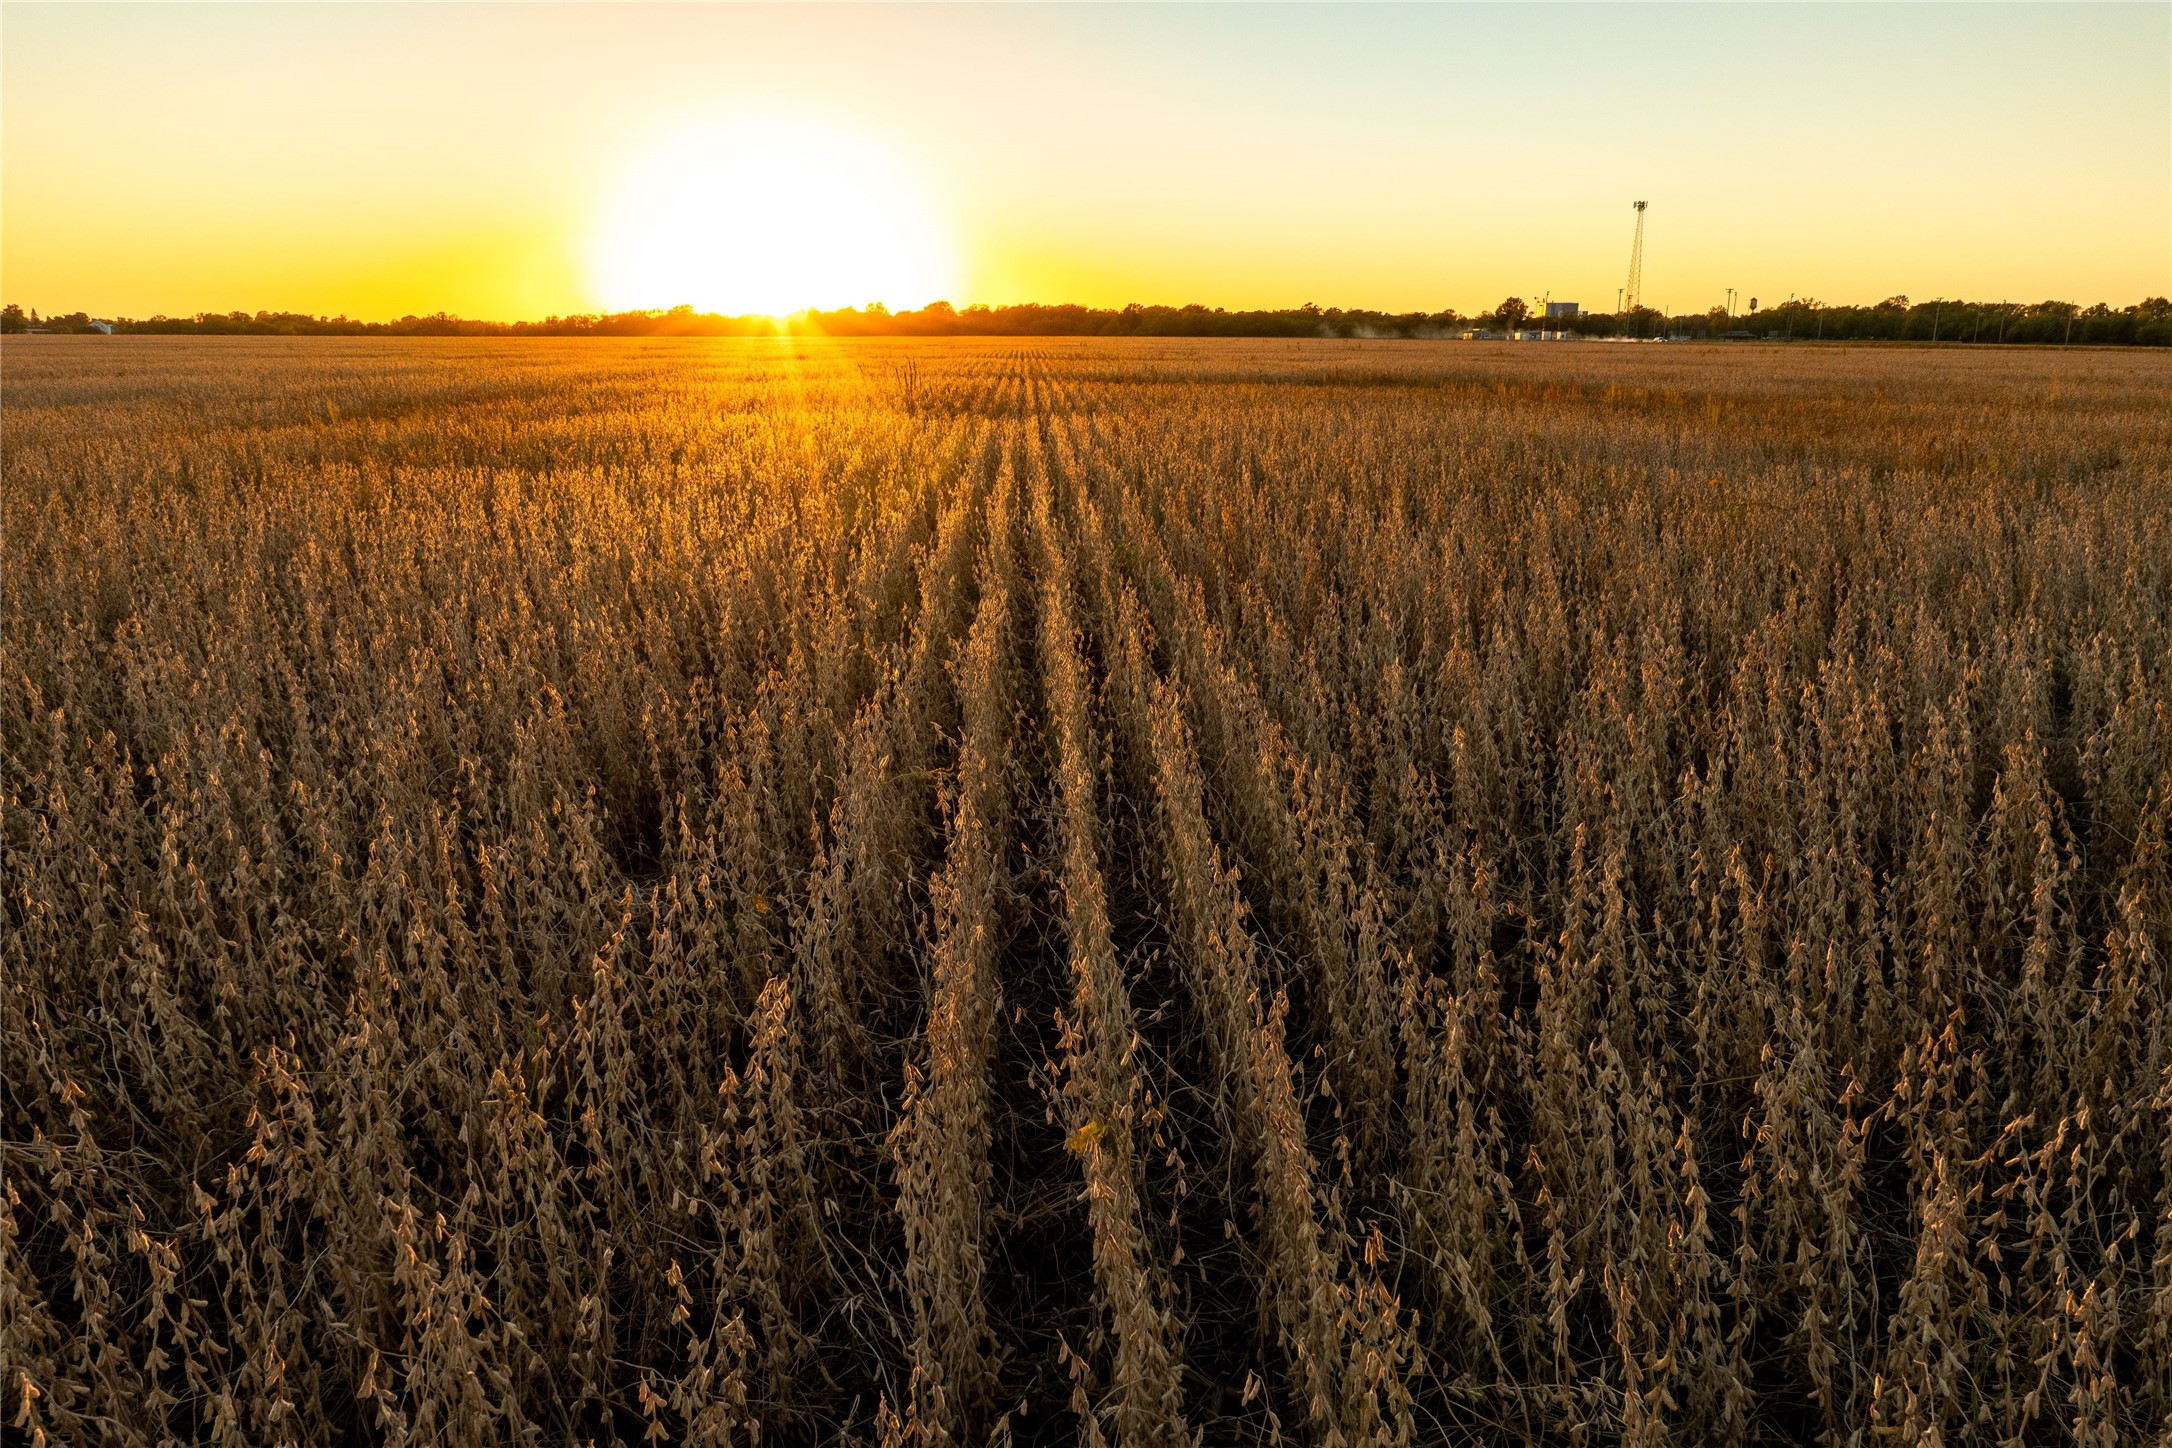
<point x="770" y="216"/>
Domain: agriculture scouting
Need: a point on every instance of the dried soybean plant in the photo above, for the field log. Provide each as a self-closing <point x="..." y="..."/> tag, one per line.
<point x="1144" y="893"/>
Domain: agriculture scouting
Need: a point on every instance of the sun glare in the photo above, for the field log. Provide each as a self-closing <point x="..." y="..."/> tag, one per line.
<point x="770" y="216"/>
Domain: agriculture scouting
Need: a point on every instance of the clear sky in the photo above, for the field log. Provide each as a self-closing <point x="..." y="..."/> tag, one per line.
<point x="488" y="160"/>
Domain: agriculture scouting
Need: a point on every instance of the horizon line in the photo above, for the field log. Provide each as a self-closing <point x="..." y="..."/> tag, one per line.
<point x="941" y="308"/>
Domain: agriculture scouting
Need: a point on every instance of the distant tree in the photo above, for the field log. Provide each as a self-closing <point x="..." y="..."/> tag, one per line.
<point x="1642" y="321"/>
<point x="12" y="319"/>
<point x="1511" y="313"/>
<point x="2152" y="322"/>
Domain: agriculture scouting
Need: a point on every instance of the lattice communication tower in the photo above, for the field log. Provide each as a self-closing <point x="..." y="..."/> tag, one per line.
<point x="1636" y="264"/>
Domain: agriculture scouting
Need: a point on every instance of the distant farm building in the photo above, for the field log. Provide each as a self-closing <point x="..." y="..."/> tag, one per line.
<point x="1560" y="309"/>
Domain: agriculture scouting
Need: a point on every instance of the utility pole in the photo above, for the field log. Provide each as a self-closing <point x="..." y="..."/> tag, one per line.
<point x="1936" y="308"/>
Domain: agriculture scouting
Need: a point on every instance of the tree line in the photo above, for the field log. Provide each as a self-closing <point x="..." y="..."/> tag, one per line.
<point x="1896" y="319"/>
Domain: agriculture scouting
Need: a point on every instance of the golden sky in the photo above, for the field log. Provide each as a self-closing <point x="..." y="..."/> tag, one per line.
<point x="511" y="160"/>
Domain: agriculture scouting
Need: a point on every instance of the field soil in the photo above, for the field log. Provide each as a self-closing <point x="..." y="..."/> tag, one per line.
<point x="1110" y="892"/>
